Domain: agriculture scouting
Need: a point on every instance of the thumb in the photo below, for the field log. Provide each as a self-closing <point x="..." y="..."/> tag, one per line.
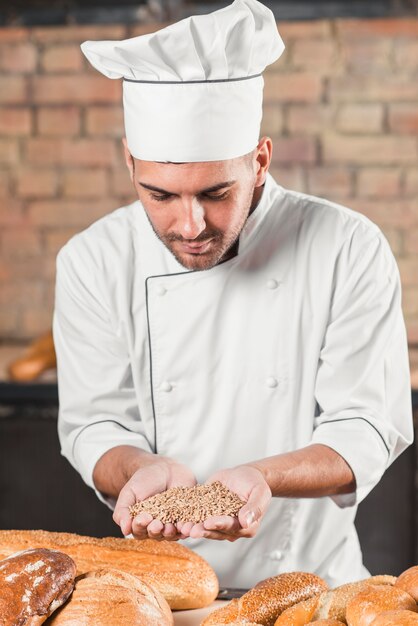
<point x="255" y="507"/>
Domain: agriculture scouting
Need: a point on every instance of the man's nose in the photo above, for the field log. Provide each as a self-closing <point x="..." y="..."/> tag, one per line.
<point x="192" y="220"/>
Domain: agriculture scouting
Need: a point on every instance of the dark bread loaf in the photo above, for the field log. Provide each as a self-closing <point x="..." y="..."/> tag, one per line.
<point x="33" y="584"/>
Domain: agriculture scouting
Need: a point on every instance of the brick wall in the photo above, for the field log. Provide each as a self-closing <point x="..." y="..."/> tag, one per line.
<point x="341" y="106"/>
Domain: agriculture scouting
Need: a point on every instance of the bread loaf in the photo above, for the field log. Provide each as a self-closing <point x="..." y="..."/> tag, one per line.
<point x="330" y="604"/>
<point x="396" y="618"/>
<point x="33" y="584"/>
<point x="327" y="622"/>
<point x="408" y="581"/>
<point x="184" y="579"/>
<point x="268" y="599"/>
<point x="367" y="605"/>
<point x="113" y="598"/>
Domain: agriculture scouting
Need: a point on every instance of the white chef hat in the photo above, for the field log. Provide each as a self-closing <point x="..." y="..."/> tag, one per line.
<point x="193" y="90"/>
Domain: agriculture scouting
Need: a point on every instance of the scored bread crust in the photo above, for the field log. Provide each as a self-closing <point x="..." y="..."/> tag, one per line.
<point x="375" y="599"/>
<point x="184" y="579"/>
<point x="268" y="599"/>
<point x="33" y="584"/>
<point x="111" y="597"/>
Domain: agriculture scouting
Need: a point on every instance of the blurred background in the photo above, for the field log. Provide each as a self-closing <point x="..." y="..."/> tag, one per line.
<point x="341" y="106"/>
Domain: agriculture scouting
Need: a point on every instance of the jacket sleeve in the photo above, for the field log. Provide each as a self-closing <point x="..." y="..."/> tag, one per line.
<point x="363" y="387"/>
<point x="98" y="409"/>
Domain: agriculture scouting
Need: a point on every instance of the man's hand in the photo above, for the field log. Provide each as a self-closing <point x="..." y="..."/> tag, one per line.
<point x="155" y="477"/>
<point x="249" y="484"/>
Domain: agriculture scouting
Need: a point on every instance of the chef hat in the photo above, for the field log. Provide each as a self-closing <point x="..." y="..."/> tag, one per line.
<point x="193" y="90"/>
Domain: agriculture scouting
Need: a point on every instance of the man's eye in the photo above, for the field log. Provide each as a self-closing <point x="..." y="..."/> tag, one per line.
<point x="160" y="197"/>
<point x="221" y="196"/>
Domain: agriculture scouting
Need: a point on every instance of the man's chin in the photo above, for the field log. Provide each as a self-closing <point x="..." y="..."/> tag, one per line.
<point x="197" y="261"/>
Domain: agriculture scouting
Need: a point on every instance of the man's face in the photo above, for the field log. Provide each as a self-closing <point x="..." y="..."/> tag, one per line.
<point x="196" y="209"/>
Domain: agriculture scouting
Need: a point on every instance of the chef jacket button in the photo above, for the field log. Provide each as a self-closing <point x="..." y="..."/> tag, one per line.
<point x="161" y="290"/>
<point x="277" y="555"/>
<point x="272" y="382"/>
<point x="166" y="386"/>
<point x="272" y="283"/>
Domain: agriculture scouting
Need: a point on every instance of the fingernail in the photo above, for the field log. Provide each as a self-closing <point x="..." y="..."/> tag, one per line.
<point x="250" y="518"/>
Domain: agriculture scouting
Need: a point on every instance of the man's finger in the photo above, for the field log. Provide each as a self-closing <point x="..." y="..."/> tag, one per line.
<point x="224" y="523"/>
<point x="254" y="509"/>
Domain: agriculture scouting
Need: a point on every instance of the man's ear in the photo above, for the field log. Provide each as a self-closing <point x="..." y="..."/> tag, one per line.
<point x="263" y="159"/>
<point x="128" y="159"/>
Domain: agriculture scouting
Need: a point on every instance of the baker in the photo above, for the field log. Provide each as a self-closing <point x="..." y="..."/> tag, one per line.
<point x="222" y="327"/>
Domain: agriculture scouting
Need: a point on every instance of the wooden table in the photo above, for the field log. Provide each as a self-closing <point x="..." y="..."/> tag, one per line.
<point x="195" y="617"/>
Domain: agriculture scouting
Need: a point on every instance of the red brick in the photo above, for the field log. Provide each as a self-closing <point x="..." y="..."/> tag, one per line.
<point x="8" y="322"/>
<point x="9" y="152"/>
<point x="412" y="330"/>
<point x="360" y="118"/>
<point x="85" y="183"/>
<point x="309" y="119"/>
<point x="272" y="122"/>
<point x="411" y="182"/>
<point x="329" y="182"/>
<point x="304" y="29"/>
<point x="13" y="34"/>
<point x="36" y="183"/>
<point x="15" y="294"/>
<point x="11" y="213"/>
<point x="56" y="121"/>
<point x="13" y="90"/>
<point x="289" y="150"/>
<point x="35" y="321"/>
<point x="373" y="88"/>
<point x="16" y="122"/>
<point x="106" y="121"/>
<point x="18" y="58"/>
<point x="289" y="177"/>
<point x="4" y="184"/>
<point x="385" y="150"/>
<point x="395" y="239"/>
<point x="69" y="213"/>
<point x="403" y="118"/>
<point x="411" y="241"/>
<point x="410" y="298"/>
<point x="297" y="87"/>
<point x="66" y="58"/>
<point x="408" y="268"/>
<point x="360" y="56"/>
<point x="65" y="34"/>
<point x="121" y="184"/>
<point x="77" y="88"/>
<point x="144" y="29"/>
<point x="386" y="27"/>
<point x="379" y="183"/>
<point x="389" y="214"/>
<point x="56" y="239"/>
<point x="315" y="55"/>
<point x="67" y="152"/>
<point x="406" y="55"/>
<point x="21" y="243"/>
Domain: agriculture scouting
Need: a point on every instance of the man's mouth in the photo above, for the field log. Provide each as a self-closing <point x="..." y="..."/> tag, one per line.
<point x="195" y="247"/>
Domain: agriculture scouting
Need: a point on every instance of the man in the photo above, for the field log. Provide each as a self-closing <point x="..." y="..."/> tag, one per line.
<point x="223" y="327"/>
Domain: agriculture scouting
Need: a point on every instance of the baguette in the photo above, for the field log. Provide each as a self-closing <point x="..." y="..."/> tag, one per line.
<point x="33" y="584"/>
<point x="113" y="598"/>
<point x="268" y="599"/>
<point x="184" y="579"/>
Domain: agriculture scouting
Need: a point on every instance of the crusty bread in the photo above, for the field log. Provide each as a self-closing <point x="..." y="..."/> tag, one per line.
<point x="367" y="604"/>
<point x="268" y="599"/>
<point x="396" y="618"/>
<point x="327" y="622"/>
<point x="110" y="597"/>
<point x="33" y="584"/>
<point x="330" y="605"/>
<point x="184" y="579"/>
<point x="408" y="581"/>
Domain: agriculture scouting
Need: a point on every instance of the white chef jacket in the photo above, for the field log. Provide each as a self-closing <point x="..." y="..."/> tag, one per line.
<point x="298" y="339"/>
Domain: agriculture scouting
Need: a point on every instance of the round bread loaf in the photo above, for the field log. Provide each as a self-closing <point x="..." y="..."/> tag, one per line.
<point x="329" y="605"/>
<point x="33" y="584"/>
<point x="367" y="605"/>
<point x="185" y="579"/>
<point x="408" y="581"/>
<point x="110" y="597"/>
<point x="268" y="599"/>
<point x="396" y="618"/>
<point x="327" y="622"/>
